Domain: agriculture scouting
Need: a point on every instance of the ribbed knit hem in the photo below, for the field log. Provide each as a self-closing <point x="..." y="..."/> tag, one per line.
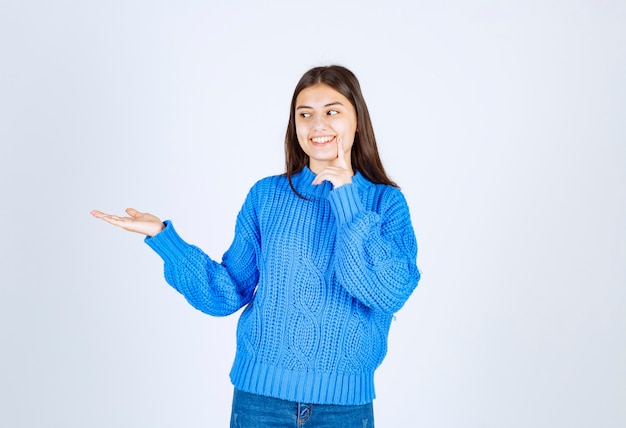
<point x="345" y="202"/>
<point x="302" y="387"/>
<point x="167" y="244"/>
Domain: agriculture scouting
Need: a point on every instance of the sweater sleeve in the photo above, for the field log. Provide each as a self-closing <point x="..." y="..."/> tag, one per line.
<point x="214" y="288"/>
<point x="376" y="251"/>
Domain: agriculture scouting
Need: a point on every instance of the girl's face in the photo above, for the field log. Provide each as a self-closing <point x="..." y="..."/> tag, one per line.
<point x="323" y="116"/>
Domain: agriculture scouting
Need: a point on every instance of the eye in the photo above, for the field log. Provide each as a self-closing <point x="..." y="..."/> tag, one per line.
<point x="332" y="112"/>
<point x="305" y="114"/>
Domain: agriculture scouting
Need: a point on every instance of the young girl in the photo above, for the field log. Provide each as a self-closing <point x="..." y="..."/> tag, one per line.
<point x="323" y="256"/>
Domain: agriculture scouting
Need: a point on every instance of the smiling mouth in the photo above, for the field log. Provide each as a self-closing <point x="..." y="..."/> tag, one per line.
<point x="322" y="140"/>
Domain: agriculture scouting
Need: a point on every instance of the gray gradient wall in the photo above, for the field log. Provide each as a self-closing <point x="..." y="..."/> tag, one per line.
<point x="502" y="121"/>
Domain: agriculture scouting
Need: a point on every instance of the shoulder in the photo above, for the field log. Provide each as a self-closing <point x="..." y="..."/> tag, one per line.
<point x="264" y="189"/>
<point x="383" y="196"/>
<point x="271" y="180"/>
<point x="262" y="193"/>
<point x="269" y="184"/>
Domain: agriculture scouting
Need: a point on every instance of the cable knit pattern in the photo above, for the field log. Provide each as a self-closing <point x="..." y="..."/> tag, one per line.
<point x="320" y="278"/>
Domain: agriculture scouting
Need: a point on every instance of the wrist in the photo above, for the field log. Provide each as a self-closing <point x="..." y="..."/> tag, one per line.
<point x="158" y="229"/>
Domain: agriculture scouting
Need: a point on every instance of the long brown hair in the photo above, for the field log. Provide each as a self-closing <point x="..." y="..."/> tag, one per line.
<point x="364" y="156"/>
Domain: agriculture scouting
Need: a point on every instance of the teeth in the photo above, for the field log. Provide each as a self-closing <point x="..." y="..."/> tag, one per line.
<point x="321" y="139"/>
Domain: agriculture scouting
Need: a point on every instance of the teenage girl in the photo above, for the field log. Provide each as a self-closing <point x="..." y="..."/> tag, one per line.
<point x="322" y="257"/>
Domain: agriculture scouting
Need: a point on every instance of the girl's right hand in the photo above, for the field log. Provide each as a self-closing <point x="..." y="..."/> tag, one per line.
<point x="144" y="223"/>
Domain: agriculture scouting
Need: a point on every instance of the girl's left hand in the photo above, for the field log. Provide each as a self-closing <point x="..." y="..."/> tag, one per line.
<point x="338" y="174"/>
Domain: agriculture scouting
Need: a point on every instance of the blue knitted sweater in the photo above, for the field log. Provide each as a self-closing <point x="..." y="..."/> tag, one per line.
<point x="320" y="278"/>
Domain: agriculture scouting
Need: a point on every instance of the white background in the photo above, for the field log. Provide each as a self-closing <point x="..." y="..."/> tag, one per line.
<point x="504" y="123"/>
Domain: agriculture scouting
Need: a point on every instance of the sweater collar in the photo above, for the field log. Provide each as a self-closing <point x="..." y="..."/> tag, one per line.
<point x="302" y="182"/>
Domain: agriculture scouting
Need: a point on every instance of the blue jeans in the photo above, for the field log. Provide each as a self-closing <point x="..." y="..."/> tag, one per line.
<point x="257" y="411"/>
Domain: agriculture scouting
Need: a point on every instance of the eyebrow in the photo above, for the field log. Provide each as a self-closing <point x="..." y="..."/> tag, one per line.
<point x="327" y="105"/>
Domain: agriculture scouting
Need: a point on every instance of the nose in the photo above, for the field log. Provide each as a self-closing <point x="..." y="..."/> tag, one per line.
<point x="319" y="122"/>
